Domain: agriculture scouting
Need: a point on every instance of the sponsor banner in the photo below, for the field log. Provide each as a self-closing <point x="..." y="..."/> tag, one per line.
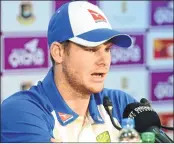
<point x="1" y="61"/>
<point x="134" y="55"/>
<point x="161" y="86"/>
<point x="163" y="49"/>
<point x="25" y="53"/>
<point x="93" y="2"/>
<point x="133" y="82"/>
<point x="59" y="3"/>
<point x="161" y="13"/>
<point x="167" y="119"/>
<point x="124" y="15"/>
<point x="25" y="16"/>
<point x="18" y="83"/>
<point x="160" y="49"/>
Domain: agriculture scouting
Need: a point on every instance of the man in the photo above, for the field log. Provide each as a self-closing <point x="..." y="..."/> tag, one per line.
<point x="67" y="106"/>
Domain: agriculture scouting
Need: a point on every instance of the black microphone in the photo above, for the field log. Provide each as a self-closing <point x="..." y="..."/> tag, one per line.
<point x="146" y="120"/>
<point x="108" y="107"/>
<point x="146" y="102"/>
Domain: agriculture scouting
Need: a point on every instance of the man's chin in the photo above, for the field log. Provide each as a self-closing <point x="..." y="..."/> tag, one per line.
<point x="96" y="89"/>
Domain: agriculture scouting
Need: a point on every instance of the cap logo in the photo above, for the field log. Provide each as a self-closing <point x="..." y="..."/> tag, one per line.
<point x="96" y="16"/>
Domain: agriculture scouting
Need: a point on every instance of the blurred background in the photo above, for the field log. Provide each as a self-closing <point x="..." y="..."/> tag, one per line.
<point x="143" y="70"/>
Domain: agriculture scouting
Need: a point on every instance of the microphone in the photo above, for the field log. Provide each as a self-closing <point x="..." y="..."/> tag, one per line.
<point x="146" y="102"/>
<point x="108" y="107"/>
<point x="146" y="120"/>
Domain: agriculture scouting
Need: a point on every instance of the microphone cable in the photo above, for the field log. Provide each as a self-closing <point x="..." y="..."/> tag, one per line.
<point x="167" y="128"/>
<point x="108" y="107"/>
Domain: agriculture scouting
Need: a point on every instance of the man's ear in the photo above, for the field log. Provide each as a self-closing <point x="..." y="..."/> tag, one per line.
<point x="57" y="51"/>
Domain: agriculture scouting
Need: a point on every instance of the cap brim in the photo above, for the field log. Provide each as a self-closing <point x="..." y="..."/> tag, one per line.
<point x="96" y="37"/>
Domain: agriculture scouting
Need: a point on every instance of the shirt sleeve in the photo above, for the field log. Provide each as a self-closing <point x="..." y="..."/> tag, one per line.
<point x="23" y="121"/>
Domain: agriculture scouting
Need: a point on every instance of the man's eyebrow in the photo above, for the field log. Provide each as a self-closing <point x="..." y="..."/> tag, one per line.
<point x="108" y="44"/>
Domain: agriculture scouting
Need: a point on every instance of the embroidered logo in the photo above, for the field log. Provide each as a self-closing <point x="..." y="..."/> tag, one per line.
<point x="103" y="137"/>
<point x="96" y="16"/>
<point x="65" y="117"/>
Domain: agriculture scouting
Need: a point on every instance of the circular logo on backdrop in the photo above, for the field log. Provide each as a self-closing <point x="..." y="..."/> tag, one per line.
<point x="26" y="15"/>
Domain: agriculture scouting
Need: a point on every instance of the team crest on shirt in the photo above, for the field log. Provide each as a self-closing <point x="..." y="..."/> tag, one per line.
<point x="65" y="117"/>
<point x="96" y="16"/>
<point x="103" y="137"/>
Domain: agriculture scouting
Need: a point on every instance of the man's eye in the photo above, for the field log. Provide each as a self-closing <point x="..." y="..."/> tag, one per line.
<point x="107" y="49"/>
<point x="91" y="50"/>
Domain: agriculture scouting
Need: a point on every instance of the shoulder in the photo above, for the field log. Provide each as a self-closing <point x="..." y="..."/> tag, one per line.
<point x="25" y="116"/>
<point x="28" y="100"/>
<point x="116" y="96"/>
<point x="23" y="101"/>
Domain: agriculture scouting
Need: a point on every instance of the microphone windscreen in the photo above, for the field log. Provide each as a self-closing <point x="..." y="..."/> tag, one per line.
<point x="143" y="115"/>
<point x="145" y="101"/>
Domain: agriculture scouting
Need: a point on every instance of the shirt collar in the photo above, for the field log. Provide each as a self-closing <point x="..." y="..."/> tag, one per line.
<point x="64" y="113"/>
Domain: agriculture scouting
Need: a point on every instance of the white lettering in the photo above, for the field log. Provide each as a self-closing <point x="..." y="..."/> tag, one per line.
<point x="16" y="58"/>
<point x="170" y="79"/>
<point x="163" y="15"/>
<point x="132" y="54"/>
<point x="143" y="108"/>
<point x="163" y="90"/>
<point x="132" y="115"/>
<point x="29" y="55"/>
<point x="38" y="57"/>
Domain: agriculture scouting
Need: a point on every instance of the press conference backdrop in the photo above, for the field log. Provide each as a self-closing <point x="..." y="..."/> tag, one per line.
<point x="143" y="70"/>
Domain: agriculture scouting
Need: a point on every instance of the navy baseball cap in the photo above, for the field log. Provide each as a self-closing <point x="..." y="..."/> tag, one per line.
<point x="84" y="23"/>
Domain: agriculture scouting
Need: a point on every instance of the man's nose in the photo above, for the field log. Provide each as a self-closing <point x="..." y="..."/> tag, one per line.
<point x="103" y="58"/>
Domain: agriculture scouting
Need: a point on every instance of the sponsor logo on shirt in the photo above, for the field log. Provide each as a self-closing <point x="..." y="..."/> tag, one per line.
<point x="103" y="137"/>
<point x="65" y="117"/>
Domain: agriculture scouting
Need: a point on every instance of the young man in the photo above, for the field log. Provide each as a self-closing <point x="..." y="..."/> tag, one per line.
<point x="67" y="106"/>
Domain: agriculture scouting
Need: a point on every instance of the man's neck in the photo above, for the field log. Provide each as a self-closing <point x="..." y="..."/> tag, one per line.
<point x="77" y="101"/>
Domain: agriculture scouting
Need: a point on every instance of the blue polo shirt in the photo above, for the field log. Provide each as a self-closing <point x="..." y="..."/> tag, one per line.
<point x="26" y="116"/>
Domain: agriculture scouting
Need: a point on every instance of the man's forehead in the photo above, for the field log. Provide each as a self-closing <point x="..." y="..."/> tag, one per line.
<point x="106" y="44"/>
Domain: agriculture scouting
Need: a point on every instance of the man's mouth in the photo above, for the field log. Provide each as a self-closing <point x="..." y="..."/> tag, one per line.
<point x="98" y="75"/>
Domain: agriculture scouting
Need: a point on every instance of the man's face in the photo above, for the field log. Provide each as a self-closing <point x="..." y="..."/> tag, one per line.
<point x="85" y="68"/>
